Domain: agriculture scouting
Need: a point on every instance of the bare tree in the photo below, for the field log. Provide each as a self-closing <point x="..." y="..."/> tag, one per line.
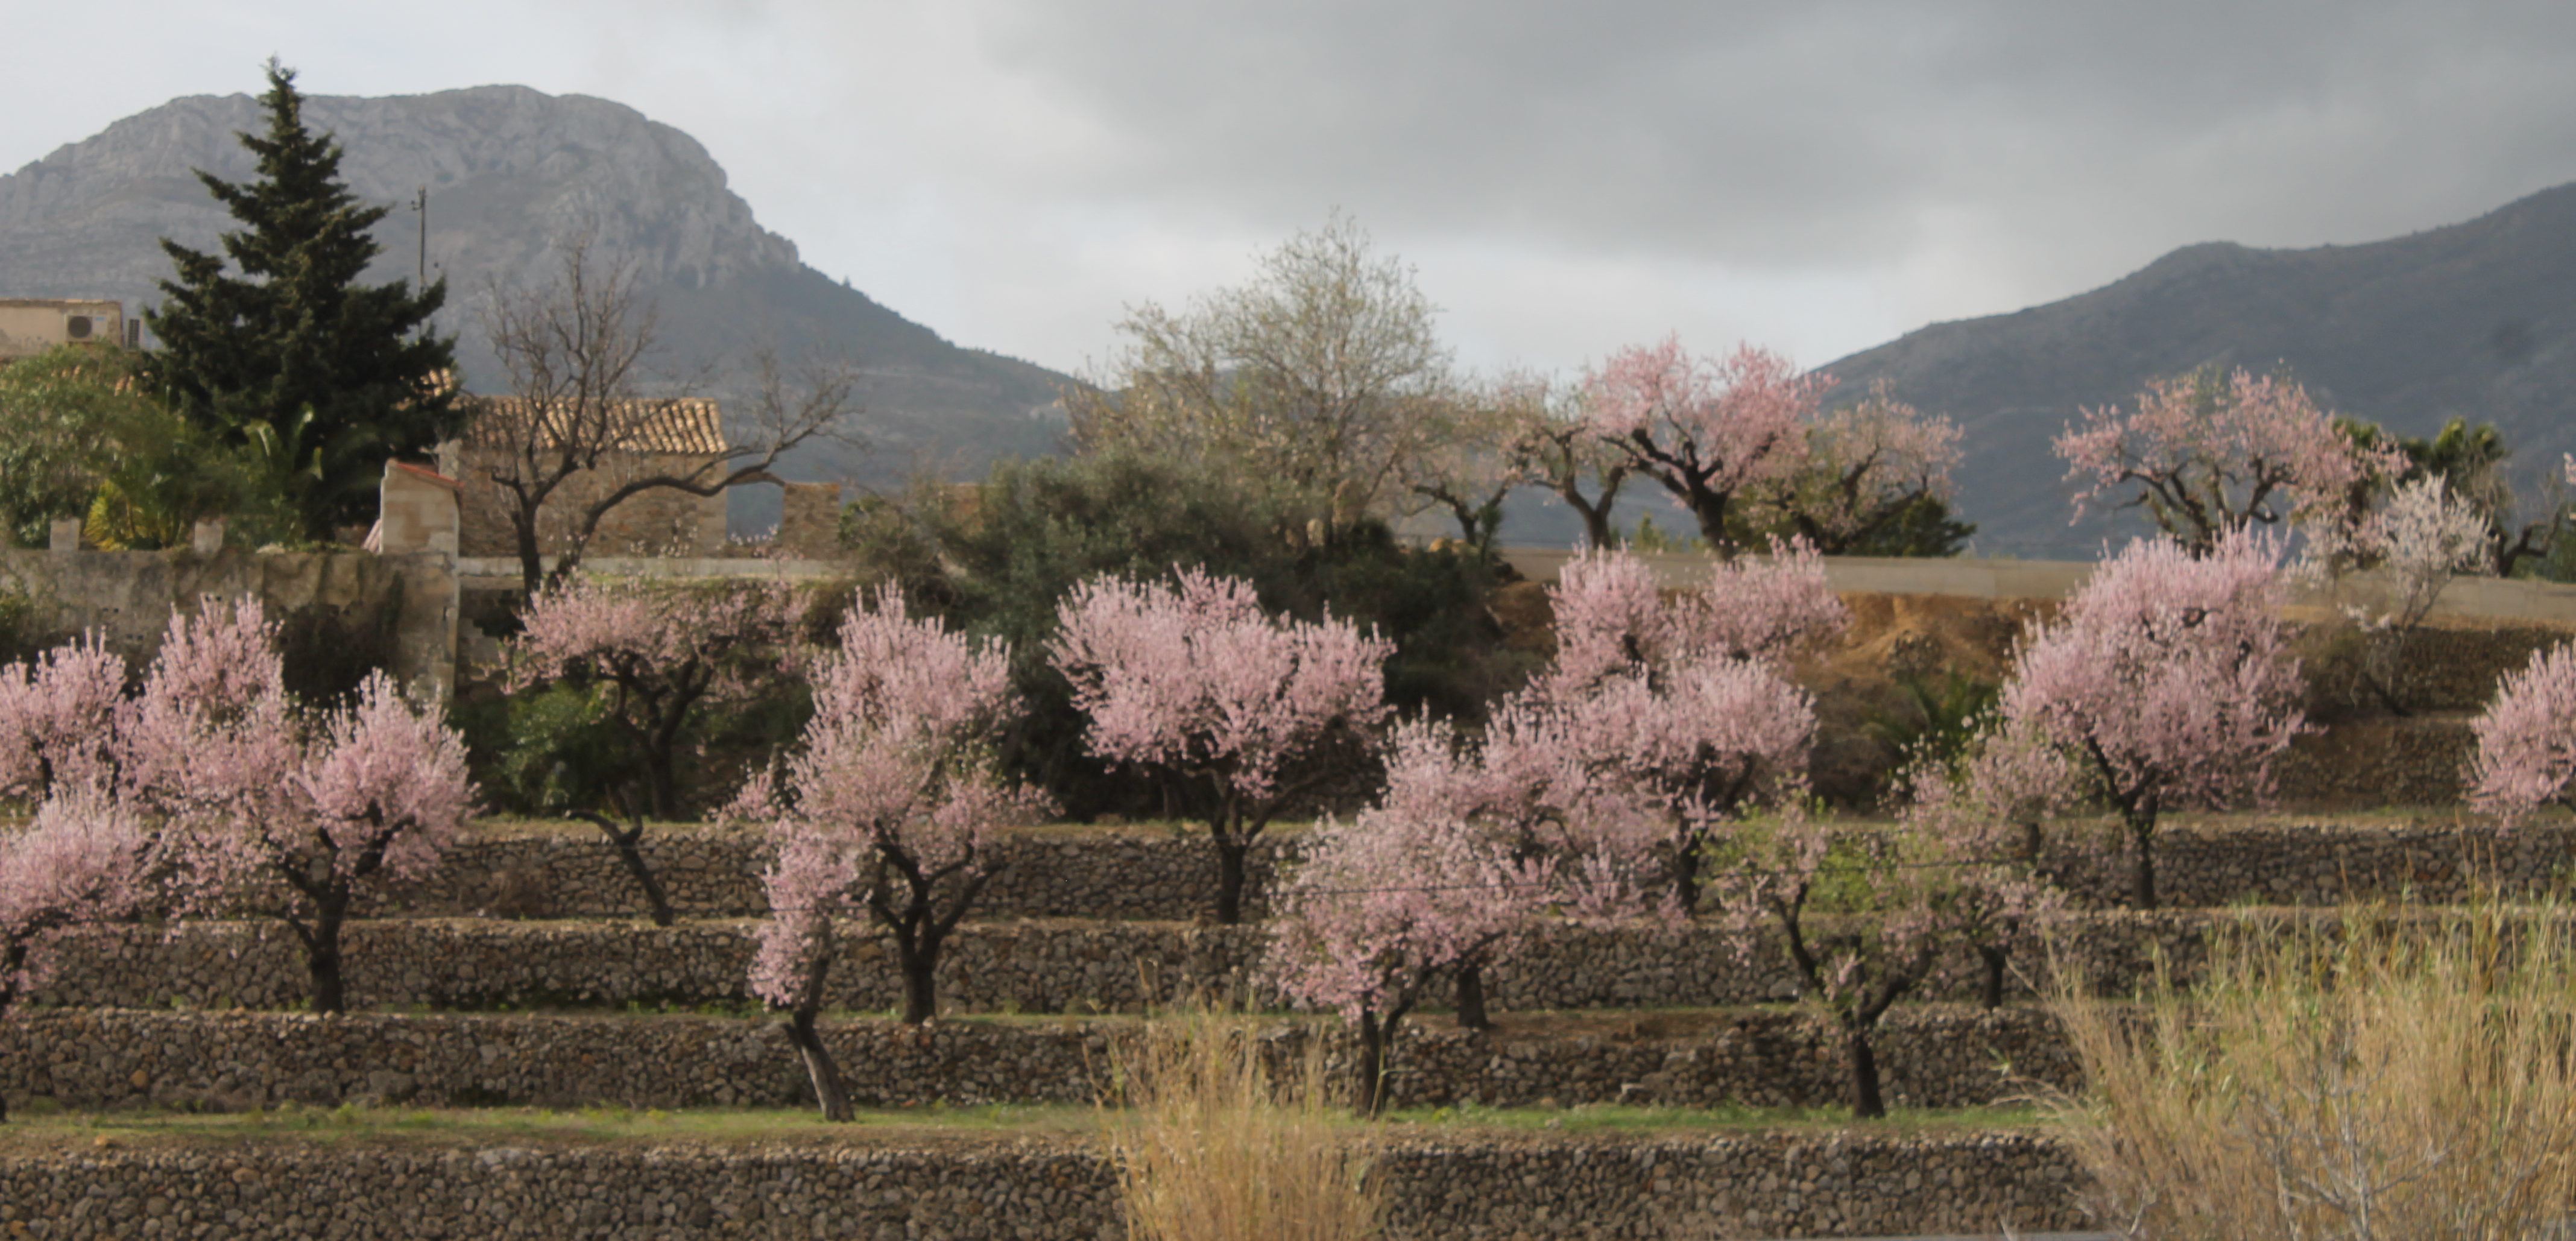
<point x="1320" y="377"/>
<point x="584" y="407"/>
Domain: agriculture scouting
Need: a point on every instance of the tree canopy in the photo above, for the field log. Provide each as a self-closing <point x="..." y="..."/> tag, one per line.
<point x="323" y="377"/>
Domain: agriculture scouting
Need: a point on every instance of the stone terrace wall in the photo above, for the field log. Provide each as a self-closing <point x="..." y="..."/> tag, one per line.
<point x="122" y="1058"/>
<point x="1466" y="1189"/>
<point x="715" y="872"/>
<point x="1021" y="967"/>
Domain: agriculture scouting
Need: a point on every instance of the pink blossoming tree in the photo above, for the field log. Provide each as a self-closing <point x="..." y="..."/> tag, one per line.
<point x="79" y="863"/>
<point x="1708" y="429"/>
<point x="2166" y="682"/>
<point x="2411" y="547"/>
<point x="887" y="808"/>
<point x="1194" y="682"/>
<point x="256" y="808"/>
<point x="1896" y="914"/>
<point x="1991" y="811"/>
<point x="58" y="720"/>
<point x="665" y="656"/>
<point x="2527" y="738"/>
<point x="1680" y="699"/>
<point x="2204" y="454"/>
<point x="1385" y="903"/>
<point x="1867" y="465"/>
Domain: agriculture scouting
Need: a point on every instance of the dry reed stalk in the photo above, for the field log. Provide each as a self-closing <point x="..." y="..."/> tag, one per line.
<point x="1219" y="1140"/>
<point x="2377" y="1080"/>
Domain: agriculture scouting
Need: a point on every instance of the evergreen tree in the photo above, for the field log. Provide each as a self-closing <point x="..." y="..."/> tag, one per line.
<point x="321" y="377"/>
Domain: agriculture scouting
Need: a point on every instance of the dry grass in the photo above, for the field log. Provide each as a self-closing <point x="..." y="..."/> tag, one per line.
<point x="2382" y="1079"/>
<point x="1217" y="1139"/>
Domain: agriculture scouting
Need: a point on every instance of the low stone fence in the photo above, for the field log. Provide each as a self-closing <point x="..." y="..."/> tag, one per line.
<point x="116" y="1058"/>
<point x="715" y="872"/>
<point x="1469" y="1188"/>
<point x="1164" y="874"/>
<point x="1038" y="967"/>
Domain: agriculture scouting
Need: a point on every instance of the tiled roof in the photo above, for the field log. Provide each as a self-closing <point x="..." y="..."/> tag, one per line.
<point x="693" y="425"/>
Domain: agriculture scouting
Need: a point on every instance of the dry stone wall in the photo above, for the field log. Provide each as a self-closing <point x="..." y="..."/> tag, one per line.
<point x="1027" y="967"/>
<point x="120" y="1058"/>
<point x="1465" y="1189"/>
<point x="714" y="872"/>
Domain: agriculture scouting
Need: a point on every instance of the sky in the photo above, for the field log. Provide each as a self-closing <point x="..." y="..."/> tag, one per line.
<point x="1566" y="179"/>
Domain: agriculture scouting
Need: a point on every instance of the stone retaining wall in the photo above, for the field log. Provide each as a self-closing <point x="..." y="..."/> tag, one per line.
<point x="1020" y="967"/>
<point x="118" y="1058"/>
<point x="1467" y="1189"/>
<point x="1163" y="874"/>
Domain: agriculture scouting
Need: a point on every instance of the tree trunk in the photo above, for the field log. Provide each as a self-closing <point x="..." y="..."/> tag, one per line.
<point x="1710" y="508"/>
<point x="919" y="963"/>
<point x="1471" y="999"/>
<point x="1686" y="875"/>
<point x="1368" y="1096"/>
<point x="629" y="842"/>
<point x="1866" y="1103"/>
<point x="660" y="780"/>
<point x="826" y="1075"/>
<point x="1993" y="957"/>
<point x="1231" y="850"/>
<point x="2142" y="875"/>
<point x="322" y="953"/>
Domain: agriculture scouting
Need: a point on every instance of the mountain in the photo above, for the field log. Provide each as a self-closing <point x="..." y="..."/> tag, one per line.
<point x="507" y="170"/>
<point x="2475" y="319"/>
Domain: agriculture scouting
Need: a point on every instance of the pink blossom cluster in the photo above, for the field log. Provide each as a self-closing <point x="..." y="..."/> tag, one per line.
<point x="1731" y="422"/>
<point x="2527" y="738"/>
<point x="2205" y="454"/>
<point x="58" y="720"/>
<point x="79" y="862"/>
<point x="2418" y="541"/>
<point x="888" y="805"/>
<point x="1613" y="618"/>
<point x="1196" y="678"/>
<point x="637" y="629"/>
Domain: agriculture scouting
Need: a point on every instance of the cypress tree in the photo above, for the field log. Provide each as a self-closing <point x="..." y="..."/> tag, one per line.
<point x="320" y="377"/>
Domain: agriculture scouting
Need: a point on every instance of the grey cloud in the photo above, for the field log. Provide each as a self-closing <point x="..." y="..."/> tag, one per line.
<point x="1791" y="135"/>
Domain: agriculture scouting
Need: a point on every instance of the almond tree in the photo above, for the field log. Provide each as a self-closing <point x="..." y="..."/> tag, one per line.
<point x="78" y="864"/>
<point x="1385" y="903"/>
<point x="2204" y="454"/>
<point x="888" y="807"/>
<point x="1709" y="430"/>
<point x="1990" y="810"/>
<point x="666" y="656"/>
<point x="1558" y="450"/>
<point x="256" y="810"/>
<point x="58" y="720"/>
<point x="2166" y="682"/>
<point x="1589" y="841"/>
<point x="2417" y="542"/>
<point x="2527" y="738"/>
<point x="1857" y="966"/>
<point x="1867" y="467"/>
<point x="1194" y="682"/>
<point x="1681" y="700"/>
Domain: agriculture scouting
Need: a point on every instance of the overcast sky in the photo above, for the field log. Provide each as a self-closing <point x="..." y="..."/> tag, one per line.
<point x="1567" y="178"/>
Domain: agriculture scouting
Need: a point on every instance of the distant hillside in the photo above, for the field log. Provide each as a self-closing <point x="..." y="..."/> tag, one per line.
<point x="508" y="169"/>
<point x="2475" y="319"/>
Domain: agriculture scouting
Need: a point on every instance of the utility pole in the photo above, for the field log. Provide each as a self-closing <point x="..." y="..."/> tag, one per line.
<point x="420" y="203"/>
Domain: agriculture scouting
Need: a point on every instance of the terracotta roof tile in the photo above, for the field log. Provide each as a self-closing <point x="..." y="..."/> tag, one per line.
<point x="692" y="425"/>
